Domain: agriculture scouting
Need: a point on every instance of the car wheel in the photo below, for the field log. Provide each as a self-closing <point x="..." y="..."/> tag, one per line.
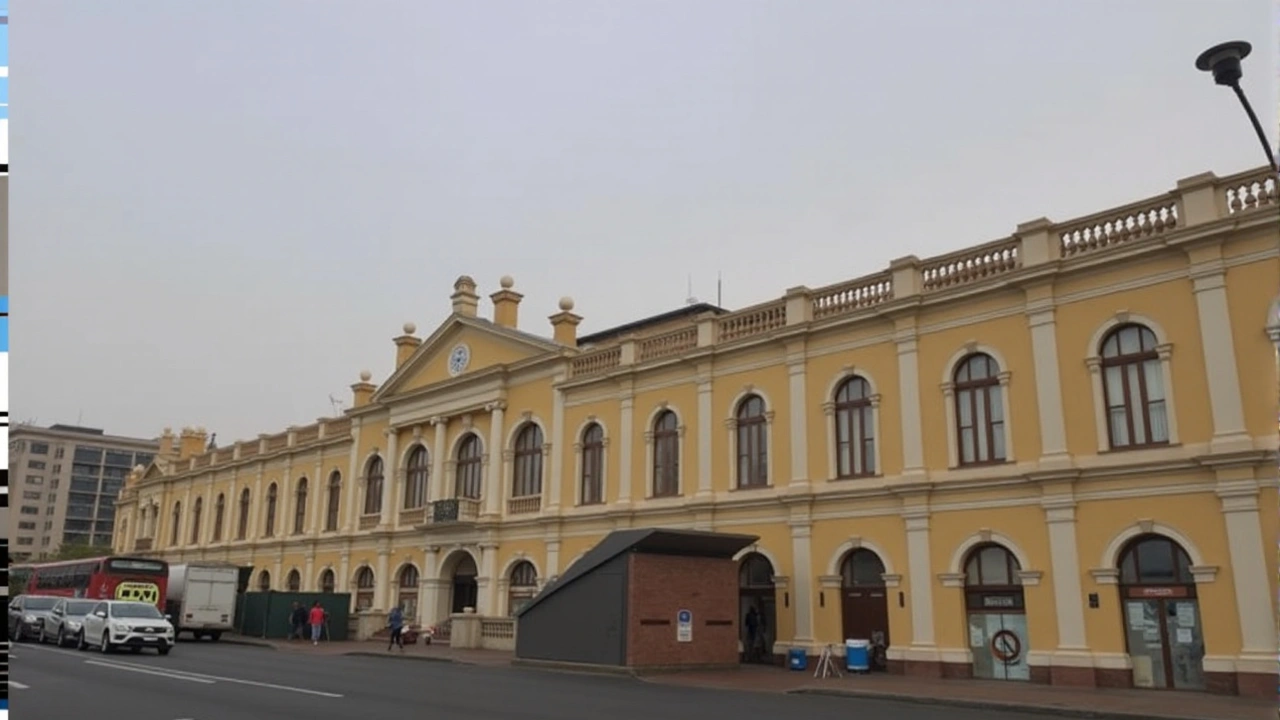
<point x="82" y="644"/>
<point x="215" y="635"/>
<point x="42" y="637"/>
<point x="164" y="650"/>
<point x="61" y="640"/>
<point x="106" y="643"/>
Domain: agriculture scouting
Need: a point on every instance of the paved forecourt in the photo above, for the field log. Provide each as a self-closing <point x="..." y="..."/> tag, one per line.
<point x="209" y="682"/>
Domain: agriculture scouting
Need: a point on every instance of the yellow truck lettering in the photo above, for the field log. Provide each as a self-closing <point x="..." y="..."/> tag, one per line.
<point x="138" y="592"/>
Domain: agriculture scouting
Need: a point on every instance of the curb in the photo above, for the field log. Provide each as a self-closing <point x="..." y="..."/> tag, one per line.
<point x="394" y="656"/>
<point x="1057" y="710"/>
<point x="570" y="668"/>
<point x="237" y="640"/>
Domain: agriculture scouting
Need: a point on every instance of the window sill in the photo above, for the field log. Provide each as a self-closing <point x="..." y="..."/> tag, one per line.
<point x="1139" y="448"/>
<point x="749" y="488"/>
<point x="863" y="476"/>
<point x="983" y="464"/>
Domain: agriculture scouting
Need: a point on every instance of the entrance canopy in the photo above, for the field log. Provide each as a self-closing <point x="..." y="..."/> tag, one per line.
<point x="654" y="541"/>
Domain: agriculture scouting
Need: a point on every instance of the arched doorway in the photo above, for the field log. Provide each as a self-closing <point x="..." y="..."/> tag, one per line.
<point x="364" y="588"/>
<point x="464" y="591"/>
<point x="264" y="581"/>
<point x="756" y="592"/>
<point x="522" y="586"/>
<point x="997" y="614"/>
<point x="864" y="603"/>
<point x="1161" y="615"/>
<point x="293" y="581"/>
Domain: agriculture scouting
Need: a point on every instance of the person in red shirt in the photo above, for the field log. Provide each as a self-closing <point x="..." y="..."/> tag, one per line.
<point x="316" y="618"/>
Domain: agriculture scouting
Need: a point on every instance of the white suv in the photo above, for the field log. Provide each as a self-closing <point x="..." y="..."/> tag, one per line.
<point x="119" y="623"/>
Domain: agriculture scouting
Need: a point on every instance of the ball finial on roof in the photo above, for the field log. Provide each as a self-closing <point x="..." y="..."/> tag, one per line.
<point x="365" y="376"/>
<point x="507" y="282"/>
<point x="410" y="328"/>
<point x="566" y="303"/>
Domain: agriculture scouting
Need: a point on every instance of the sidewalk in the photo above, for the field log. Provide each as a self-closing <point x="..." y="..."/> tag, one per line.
<point x="989" y="695"/>
<point x="378" y="648"/>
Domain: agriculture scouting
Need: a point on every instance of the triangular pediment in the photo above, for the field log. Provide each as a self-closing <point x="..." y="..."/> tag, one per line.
<point x="470" y="343"/>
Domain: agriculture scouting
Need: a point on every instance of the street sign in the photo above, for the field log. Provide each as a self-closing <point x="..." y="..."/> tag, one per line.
<point x="684" y="626"/>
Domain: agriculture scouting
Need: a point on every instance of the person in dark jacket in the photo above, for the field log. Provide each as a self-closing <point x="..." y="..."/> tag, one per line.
<point x="298" y="622"/>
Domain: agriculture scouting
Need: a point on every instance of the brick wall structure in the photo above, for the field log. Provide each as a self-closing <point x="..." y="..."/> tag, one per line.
<point x="659" y="587"/>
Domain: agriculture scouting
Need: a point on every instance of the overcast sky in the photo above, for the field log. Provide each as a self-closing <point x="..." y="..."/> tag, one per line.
<point x="222" y="212"/>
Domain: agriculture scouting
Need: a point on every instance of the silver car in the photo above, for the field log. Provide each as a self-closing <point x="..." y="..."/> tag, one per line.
<point x="27" y="615"/>
<point x="65" y="620"/>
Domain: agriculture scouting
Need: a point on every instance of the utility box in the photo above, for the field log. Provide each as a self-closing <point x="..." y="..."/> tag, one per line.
<point x="641" y="599"/>
<point x="266" y="614"/>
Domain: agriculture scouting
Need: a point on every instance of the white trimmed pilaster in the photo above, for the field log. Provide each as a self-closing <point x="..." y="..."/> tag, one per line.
<point x="626" y="442"/>
<point x="381" y="582"/>
<point x="798" y="423"/>
<point x="705" y="423"/>
<point x="909" y="395"/>
<point x="436" y="484"/>
<point x="556" y="478"/>
<point x="1044" y="348"/>
<point x="1209" y="283"/>
<point x="1064" y="559"/>
<point x="921" y="577"/>
<point x="1240" y="509"/>
<point x="802" y="569"/>
<point x="493" y="483"/>
<point x="390" y="485"/>
<point x="349" y="513"/>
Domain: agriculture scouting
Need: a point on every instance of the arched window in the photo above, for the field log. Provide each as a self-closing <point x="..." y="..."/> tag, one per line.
<point x="328" y="582"/>
<point x="523" y="586"/>
<point x="593" y="465"/>
<point x="862" y="568"/>
<point x="272" y="500"/>
<point x="373" y="487"/>
<point x="753" y="443"/>
<point x="417" y="473"/>
<point x="408" y="592"/>
<point x="334" y="501"/>
<point x="219" y="514"/>
<point x="364" y="588"/>
<point x="1155" y="560"/>
<point x="177" y="523"/>
<point x="264" y="581"/>
<point x="855" y="429"/>
<point x="1133" y="385"/>
<point x="527" y="478"/>
<point x="470" y="468"/>
<point x="293" y="582"/>
<point x="755" y="573"/>
<point x="196" y="509"/>
<point x="991" y="566"/>
<point x="243" y="530"/>
<point x="300" y="507"/>
<point x="666" y="455"/>
<point x="979" y="410"/>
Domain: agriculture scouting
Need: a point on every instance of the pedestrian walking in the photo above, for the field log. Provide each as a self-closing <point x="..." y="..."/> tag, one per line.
<point x="395" y="621"/>
<point x="316" y="618"/>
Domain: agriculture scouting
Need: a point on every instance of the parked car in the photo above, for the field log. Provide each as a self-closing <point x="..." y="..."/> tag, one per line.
<point x="27" y="615"/>
<point x="64" y="621"/>
<point x="122" y="623"/>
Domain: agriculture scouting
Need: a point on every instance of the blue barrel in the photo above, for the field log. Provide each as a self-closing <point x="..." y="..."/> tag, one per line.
<point x="797" y="659"/>
<point x="857" y="656"/>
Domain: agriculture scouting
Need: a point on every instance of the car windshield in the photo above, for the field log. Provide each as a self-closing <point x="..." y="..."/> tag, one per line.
<point x="39" y="603"/>
<point x="80" y="607"/>
<point x="135" y="610"/>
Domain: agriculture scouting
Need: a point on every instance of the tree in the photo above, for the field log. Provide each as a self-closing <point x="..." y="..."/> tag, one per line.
<point x="77" y="551"/>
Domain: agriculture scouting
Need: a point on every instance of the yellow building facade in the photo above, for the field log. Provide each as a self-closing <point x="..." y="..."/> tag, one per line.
<point x="1051" y="457"/>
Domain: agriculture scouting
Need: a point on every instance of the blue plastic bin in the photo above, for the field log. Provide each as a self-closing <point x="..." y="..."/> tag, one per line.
<point x="796" y="659"/>
<point x="857" y="656"/>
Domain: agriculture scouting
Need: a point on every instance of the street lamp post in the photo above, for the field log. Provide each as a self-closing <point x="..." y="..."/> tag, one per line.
<point x="1224" y="62"/>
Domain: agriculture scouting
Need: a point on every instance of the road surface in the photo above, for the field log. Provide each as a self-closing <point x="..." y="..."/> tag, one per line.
<point x="213" y="682"/>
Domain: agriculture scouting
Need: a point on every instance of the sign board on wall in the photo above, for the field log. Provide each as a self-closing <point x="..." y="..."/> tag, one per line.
<point x="684" y="626"/>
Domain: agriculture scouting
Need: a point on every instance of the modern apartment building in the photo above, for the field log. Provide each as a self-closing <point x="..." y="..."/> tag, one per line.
<point x="63" y="484"/>
<point x="1049" y="458"/>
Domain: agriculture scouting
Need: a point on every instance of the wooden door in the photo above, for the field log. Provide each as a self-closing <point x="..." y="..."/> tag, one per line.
<point x="865" y="613"/>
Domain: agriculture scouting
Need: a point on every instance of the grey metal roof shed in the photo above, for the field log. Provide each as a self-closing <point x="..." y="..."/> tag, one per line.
<point x="582" y="616"/>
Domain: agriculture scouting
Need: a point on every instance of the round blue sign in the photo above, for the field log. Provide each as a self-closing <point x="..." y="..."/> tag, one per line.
<point x="684" y="616"/>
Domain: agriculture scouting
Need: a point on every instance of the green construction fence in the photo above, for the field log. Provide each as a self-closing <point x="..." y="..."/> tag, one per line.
<point x="266" y="614"/>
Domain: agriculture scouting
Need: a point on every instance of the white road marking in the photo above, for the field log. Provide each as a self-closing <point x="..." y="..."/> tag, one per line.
<point x="148" y="672"/>
<point x="18" y="685"/>
<point x="186" y="674"/>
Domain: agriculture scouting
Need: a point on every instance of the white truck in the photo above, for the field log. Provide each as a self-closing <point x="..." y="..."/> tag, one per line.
<point x="201" y="598"/>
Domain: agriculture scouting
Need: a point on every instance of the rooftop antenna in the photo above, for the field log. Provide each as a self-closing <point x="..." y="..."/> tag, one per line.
<point x="336" y="404"/>
<point x="80" y="417"/>
<point x="691" y="300"/>
<point x="719" y="290"/>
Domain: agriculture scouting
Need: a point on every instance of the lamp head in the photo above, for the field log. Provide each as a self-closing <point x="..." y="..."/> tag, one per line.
<point x="1224" y="62"/>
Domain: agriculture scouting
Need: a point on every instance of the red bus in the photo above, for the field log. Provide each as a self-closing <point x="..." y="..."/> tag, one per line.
<point x="105" y="578"/>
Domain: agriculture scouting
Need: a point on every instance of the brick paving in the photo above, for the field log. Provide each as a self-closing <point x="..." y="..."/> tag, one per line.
<point x="993" y="695"/>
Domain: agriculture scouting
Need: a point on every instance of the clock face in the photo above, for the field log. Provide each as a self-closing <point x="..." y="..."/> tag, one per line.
<point x="458" y="359"/>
